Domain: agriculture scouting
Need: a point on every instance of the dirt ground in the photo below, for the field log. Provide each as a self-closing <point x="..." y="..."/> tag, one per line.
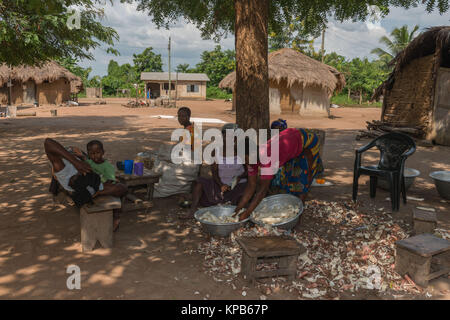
<point x="153" y="254"/>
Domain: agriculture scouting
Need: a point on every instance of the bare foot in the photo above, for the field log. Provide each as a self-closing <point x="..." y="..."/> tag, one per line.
<point x="187" y="215"/>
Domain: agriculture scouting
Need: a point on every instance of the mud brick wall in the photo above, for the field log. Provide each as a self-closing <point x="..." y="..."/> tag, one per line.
<point x="17" y="93"/>
<point x="4" y="95"/>
<point x="55" y="92"/>
<point x="410" y="99"/>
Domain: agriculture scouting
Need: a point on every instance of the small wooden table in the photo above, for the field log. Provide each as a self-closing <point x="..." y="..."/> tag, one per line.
<point x="282" y="250"/>
<point x="418" y="255"/>
<point x="149" y="178"/>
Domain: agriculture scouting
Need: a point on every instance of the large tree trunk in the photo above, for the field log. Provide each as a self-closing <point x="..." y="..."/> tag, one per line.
<point x="252" y="71"/>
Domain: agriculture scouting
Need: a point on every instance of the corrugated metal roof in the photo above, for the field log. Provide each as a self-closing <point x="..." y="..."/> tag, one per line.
<point x="164" y="76"/>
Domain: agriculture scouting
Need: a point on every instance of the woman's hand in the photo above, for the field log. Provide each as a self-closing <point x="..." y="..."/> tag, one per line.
<point x="244" y="215"/>
<point x="224" y="188"/>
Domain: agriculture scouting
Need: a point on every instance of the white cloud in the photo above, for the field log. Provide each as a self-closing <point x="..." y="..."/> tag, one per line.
<point x="357" y="39"/>
<point x="137" y="32"/>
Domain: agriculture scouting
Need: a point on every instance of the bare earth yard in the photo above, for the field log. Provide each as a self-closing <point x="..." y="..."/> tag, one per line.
<point x="155" y="256"/>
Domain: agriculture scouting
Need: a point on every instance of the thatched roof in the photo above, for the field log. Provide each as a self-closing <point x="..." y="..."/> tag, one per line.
<point x="423" y="45"/>
<point x="297" y="69"/>
<point x="49" y="71"/>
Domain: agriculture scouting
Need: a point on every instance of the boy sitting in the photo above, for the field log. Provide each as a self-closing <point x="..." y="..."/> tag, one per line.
<point x="76" y="176"/>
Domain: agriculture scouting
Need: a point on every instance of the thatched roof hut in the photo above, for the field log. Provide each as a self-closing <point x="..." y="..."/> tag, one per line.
<point x="49" y="83"/>
<point x="417" y="92"/>
<point x="297" y="83"/>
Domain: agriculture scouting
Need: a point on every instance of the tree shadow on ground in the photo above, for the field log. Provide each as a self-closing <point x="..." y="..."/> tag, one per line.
<point x="154" y="253"/>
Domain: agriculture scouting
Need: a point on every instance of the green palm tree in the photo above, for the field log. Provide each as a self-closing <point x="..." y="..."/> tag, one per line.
<point x="401" y="37"/>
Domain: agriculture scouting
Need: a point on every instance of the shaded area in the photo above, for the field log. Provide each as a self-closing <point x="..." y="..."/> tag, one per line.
<point x="154" y="253"/>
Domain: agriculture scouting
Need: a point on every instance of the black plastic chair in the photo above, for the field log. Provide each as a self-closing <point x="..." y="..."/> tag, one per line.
<point x="394" y="148"/>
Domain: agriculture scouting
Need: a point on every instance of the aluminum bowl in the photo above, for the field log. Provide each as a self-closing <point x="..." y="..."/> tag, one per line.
<point x="219" y="229"/>
<point x="280" y="200"/>
<point x="410" y="176"/>
<point x="442" y="183"/>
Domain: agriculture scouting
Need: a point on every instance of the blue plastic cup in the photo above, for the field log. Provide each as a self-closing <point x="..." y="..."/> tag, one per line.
<point x="128" y="166"/>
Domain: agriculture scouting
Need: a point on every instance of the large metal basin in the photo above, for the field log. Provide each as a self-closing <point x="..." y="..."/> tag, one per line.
<point x="442" y="183"/>
<point x="410" y="176"/>
<point x="219" y="229"/>
<point x="279" y="201"/>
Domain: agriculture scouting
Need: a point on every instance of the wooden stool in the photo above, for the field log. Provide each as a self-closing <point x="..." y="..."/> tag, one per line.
<point x="97" y="222"/>
<point x="418" y="255"/>
<point x="424" y="221"/>
<point x="282" y="250"/>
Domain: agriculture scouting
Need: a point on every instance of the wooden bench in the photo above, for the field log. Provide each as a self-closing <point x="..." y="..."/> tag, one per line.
<point x="422" y="257"/>
<point x="282" y="250"/>
<point x="96" y="220"/>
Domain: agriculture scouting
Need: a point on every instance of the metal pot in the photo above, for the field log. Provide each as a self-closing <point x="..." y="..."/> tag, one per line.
<point x="442" y="183"/>
<point x="219" y="229"/>
<point x="410" y="176"/>
<point x="281" y="200"/>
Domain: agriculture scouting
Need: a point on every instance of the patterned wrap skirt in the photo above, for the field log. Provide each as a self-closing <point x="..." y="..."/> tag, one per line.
<point x="296" y="175"/>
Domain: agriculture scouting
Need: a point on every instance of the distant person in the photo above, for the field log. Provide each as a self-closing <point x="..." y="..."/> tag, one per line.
<point x="83" y="182"/>
<point x="184" y="118"/>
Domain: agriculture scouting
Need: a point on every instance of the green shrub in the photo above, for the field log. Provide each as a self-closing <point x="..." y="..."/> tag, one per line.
<point x="217" y="93"/>
<point x="343" y="100"/>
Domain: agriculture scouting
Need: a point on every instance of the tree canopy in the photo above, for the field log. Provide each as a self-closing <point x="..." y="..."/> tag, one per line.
<point x="292" y="35"/>
<point x="183" y="67"/>
<point x="401" y="37"/>
<point x="34" y="31"/>
<point x="215" y="19"/>
<point x="216" y="64"/>
<point x="126" y="75"/>
<point x="147" y="61"/>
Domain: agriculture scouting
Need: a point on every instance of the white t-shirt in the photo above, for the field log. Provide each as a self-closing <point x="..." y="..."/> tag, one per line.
<point x="65" y="174"/>
<point x="68" y="172"/>
<point x="228" y="171"/>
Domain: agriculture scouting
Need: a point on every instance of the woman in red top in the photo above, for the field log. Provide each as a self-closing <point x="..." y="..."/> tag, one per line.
<point x="298" y="163"/>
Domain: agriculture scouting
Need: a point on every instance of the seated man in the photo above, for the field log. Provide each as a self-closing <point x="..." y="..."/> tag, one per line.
<point x="77" y="178"/>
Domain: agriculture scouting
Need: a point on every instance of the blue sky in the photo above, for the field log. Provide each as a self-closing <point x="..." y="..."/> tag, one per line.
<point x="136" y="31"/>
